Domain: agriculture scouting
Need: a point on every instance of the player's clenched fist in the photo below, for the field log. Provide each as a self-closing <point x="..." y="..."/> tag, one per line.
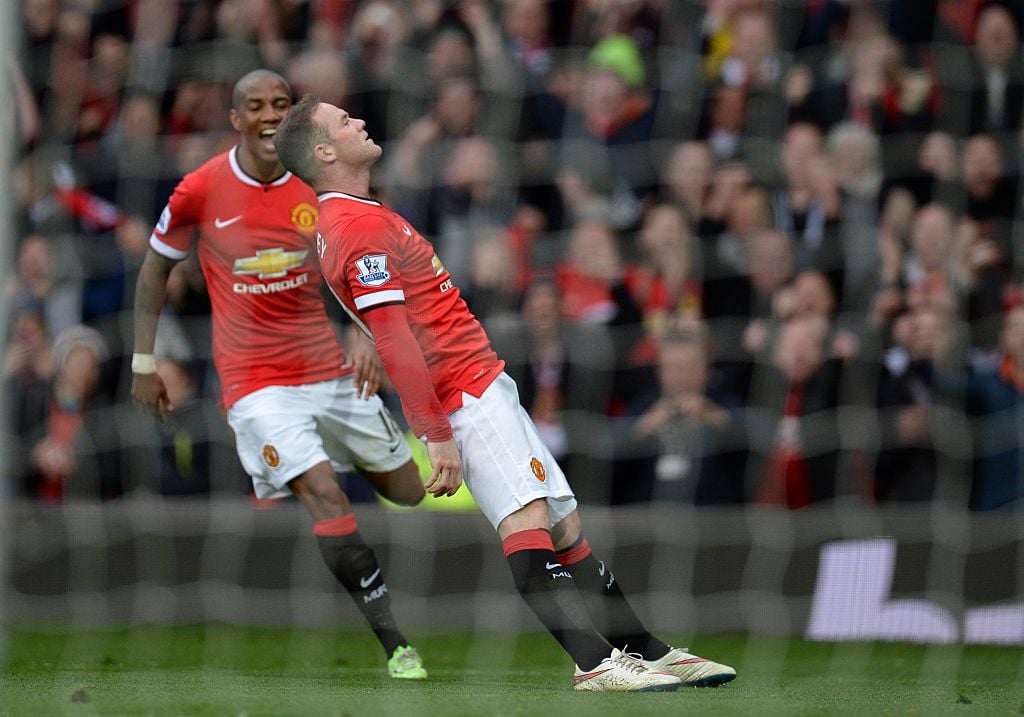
<point x="446" y="461"/>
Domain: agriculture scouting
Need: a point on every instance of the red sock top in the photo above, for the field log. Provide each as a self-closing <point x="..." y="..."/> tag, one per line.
<point x="575" y="554"/>
<point x="535" y="539"/>
<point x="345" y="525"/>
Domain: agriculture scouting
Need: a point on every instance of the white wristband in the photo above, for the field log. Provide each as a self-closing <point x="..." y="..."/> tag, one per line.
<point x="143" y="363"/>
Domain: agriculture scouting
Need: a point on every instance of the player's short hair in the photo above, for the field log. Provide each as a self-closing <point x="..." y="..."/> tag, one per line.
<point x="246" y="80"/>
<point x="296" y="137"/>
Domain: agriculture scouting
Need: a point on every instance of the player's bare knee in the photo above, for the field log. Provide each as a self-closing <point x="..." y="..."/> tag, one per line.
<point x="566" y="531"/>
<point x="320" y="493"/>
<point x="531" y="516"/>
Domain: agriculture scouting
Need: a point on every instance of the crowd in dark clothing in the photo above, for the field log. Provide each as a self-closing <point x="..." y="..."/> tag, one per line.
<point x="733" y="252"/>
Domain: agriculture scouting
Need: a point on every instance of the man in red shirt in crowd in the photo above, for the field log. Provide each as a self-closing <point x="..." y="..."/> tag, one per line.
<point x="299" y="410"/>
<point x="458" y="398"/>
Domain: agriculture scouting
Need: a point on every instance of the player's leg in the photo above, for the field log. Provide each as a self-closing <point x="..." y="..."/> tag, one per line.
<point x="615" y="618"/>
<point x="280" y="445"/>
<point x="506" y="467"/>
<point x="548" y="589"/>
<point x="354" y="564"/>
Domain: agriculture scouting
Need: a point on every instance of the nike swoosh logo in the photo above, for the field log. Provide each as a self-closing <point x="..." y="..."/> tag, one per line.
<point x="588" y="676"/>
<point x="549" y="566"/>
<point x="365" y="582"/>
<point x="226" y="223"/>
<point x="407" y="231"/>
<point x="600" y="570"/>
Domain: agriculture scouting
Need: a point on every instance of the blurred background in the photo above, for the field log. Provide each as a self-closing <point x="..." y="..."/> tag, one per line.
<point x="757" y="267"/>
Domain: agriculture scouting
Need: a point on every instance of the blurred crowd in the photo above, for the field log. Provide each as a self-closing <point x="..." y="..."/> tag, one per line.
<point x="734" y="251"/>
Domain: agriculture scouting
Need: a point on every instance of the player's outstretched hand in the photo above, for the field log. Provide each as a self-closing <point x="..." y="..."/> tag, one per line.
<point x="446" y="460"/>
<point x="362" y="356"/>
<point x="149" y="393"/>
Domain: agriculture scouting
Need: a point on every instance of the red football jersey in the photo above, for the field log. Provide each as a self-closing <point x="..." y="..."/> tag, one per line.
<point x="371" y="257"/>
<point x="256" y="249"/>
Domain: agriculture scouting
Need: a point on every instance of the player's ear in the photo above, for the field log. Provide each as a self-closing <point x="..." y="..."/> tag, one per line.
<point x="324" y="152"/>
<point x="236" y="121"/>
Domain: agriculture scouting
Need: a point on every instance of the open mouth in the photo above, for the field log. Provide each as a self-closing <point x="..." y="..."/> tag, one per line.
<point x="268" y="133"/>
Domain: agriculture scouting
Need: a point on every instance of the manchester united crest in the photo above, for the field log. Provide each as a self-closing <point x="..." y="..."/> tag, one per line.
<point x="304" y="216"/>
<point x="270" y="456"/>
<point x="538" y="469"/>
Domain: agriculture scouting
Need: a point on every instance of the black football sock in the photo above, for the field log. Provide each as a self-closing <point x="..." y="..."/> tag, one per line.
<point x="608" y="607"/>
<point x="551" y="593"/>
<point x="355" y="566"/>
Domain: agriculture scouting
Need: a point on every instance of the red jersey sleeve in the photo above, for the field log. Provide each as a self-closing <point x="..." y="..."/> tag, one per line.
<point x="408" y="372"/>
<point x="372" y="262"/>
<point x="175" y="231"/>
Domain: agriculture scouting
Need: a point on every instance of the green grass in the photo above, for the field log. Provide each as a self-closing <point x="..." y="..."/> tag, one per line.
<point x="222" y="670"/>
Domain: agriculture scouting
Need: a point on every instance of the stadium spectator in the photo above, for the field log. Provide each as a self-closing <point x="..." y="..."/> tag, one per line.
<point x="493" y="272"/>
<point x="663" y="281"/>
<point x="684" y="439"/>
<point x="935" y="173"/>
<point x="744" y="102"/>
<point x="794" y="441"/>
<point x="599" y="162"/>
<point x="591" y="279"/>
<point x="985" y="86"/>
<point x="992" y="198"/>
<point x="35" y="283"/>
<point x="686" y="181"/>
<point x="473" y="193"/>
<point x="994" y="402"/>
<point x="948" y="266"/>
<point x="298" y="406"/>
<point x="374" y="49"/>
<point x="27" y="374"/>
<point x="527" y="26"/>
<point x="855" y="156"/>
<point x="806" y="206"/>
<point x="69" y="444"/>
<point x="908" y="463"/>
<point x="427" y="143"/>
<point x="770" y="298"/>
<point x="591" y="275"/>
<point x="453" y="388"/>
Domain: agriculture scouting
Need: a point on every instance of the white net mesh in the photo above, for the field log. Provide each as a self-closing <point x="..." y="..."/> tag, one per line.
<point x="895" y="438"/>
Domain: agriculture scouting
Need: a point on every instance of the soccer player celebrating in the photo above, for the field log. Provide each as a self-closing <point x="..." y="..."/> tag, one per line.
<point x="299" y="408"/>
<point x="456" y="395"/>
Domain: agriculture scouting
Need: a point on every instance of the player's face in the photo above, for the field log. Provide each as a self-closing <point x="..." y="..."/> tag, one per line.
<point x="264" y="105"/>
<point x="351" y="143"/>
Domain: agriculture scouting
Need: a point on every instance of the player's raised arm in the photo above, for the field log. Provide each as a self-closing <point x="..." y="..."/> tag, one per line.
<point x="148" y="390"/>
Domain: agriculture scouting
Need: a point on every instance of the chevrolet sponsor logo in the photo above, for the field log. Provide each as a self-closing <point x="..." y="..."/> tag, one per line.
<point x="270" y="263"/>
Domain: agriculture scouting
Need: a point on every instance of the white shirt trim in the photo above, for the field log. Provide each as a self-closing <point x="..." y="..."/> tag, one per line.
<point x="245" y="178"/>
<point x="379" y="297"/>
<point x="342" y="195"/>
<point x="165" y="249"/>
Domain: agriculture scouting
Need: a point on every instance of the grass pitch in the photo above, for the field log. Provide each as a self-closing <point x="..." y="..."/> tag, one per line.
<point x="224" y="670"/>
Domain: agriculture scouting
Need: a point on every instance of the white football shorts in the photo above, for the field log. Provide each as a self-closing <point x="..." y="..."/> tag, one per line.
<point x="283" y="431"/>
<point x="505" y="464"/>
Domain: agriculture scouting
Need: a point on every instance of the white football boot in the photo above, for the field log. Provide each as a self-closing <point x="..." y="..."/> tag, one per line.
<point x="623" y="672"/>
<point x="692" y="670"/>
